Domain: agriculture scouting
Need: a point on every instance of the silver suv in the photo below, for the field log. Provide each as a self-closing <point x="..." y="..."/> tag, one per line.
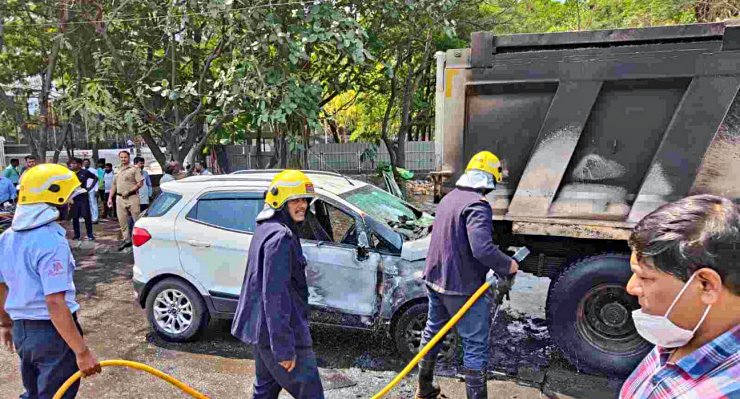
<point x="365" y="250"/>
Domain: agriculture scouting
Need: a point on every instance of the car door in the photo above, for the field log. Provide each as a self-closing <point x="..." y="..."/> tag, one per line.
<point x="213" y="239"/>
<point x="342" y="276"/>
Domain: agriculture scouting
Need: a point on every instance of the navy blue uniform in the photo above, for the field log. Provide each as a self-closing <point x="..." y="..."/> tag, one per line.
<point x="460" y="255"/>
<point x="273" y="312"/>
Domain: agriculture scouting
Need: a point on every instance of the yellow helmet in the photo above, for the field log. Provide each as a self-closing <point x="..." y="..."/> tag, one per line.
<point x="47" y="183"/>
<point x="287" y="185"/>
<point x="486" y="162"/>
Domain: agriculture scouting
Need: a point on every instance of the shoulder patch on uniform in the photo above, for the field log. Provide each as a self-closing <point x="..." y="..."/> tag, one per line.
<point x="56" y="268"/>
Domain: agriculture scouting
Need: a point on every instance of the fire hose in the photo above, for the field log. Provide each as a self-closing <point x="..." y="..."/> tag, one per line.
<point x="502" y="290"/>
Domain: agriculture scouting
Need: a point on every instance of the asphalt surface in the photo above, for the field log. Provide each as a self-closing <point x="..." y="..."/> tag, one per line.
<point x="353" y="364"/>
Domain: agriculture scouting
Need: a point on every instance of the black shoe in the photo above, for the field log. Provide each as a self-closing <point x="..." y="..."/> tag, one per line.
<point x="124" y="245"/>
<point x="475" y="384"/>
<point x="90" y="238"/>
<point x="426" y="388"/>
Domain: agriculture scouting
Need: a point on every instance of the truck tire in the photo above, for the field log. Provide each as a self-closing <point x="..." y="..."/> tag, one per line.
<point x="589" y="315"/>
<point x="407" y="334"/>
<point x="176" y="311"/>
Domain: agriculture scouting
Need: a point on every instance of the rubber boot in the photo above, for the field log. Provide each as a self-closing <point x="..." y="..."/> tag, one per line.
<point x="426" y="388"/>
<point x="475" y="384"/>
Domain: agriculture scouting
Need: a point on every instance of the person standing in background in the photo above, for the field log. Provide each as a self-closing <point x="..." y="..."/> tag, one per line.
<point x="101" y="183"/>
<point x="172" y="171"/>
<point x="200" y="169"/>
<point x="126" y="186"/>
<point x="13" y="171"/>
<point x="30" y="162"/>
<point x="145" y="193"/>
<point x="81" y="202"/>
<point x="92" y="189"/>
<point x="108" y="177"/>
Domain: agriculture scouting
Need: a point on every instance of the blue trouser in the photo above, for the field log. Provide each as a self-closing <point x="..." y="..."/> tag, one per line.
<point x="303" y="382"/>
<point x="473" y="327"/>
<point x="81" y="209"/>
<point x="46" y="359"/>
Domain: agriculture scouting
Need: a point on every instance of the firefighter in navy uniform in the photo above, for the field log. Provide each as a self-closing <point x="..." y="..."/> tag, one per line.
<point x="273" y="309"/>
<point x="461" y="253"/>
<point x="38" y="310"/>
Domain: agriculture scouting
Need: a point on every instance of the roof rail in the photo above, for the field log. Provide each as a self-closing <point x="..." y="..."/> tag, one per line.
<point x="313" y="172"/>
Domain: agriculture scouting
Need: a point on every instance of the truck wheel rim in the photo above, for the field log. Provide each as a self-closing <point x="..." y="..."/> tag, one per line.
<point x="604" y="320"/>
<point x="173" y="311"/>
<point x="413" y="336"/>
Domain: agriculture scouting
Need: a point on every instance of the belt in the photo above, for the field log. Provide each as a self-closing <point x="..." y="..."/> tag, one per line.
<point x="40" y="323"/>
<point x="121" y="195"/>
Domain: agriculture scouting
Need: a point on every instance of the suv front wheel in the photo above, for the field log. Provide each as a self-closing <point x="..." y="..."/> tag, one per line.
<point x="407" y="334"/>
<point x="176" y="311"/>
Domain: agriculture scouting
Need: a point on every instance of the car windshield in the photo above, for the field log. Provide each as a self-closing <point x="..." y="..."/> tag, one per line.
<point x="385" y="207"/>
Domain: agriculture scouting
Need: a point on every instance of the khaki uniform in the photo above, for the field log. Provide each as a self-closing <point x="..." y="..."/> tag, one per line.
<point x="125" y="181"/>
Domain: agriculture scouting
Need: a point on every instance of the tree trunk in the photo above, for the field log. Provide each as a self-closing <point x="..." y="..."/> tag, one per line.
<point x="60" y="143"/>
<point x="259" y="148"/>
<point x="386" y="120"/>
<point x="154" y="147"/>
<point x="41" y="143"/>
<point x="95" y="152"/>
<point x="334" y="130"/>
<point x="405" y="118"/>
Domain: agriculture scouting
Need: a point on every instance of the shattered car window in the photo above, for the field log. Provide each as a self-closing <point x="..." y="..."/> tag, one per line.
<point x="380" y="204"/>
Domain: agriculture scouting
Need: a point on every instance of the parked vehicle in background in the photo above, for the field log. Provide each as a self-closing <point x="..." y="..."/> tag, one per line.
<point x="365" y="250"/>
<point x="595" y="130"/>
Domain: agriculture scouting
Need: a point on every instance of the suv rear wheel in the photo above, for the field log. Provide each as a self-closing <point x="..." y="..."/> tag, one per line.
<point x="176" y="311"/>
<point x="408" y="330"/>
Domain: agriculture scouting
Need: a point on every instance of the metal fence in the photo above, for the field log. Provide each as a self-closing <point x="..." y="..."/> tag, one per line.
<point x="342" y="157"/>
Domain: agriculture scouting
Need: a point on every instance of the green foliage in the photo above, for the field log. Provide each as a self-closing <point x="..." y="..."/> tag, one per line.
<point x="178" y="71"/>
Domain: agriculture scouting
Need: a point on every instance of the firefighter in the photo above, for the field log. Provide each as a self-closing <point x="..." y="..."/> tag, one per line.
<point x="461" y="253"/>
<point x="272" y="314"/>
<point x="38" y="310"/>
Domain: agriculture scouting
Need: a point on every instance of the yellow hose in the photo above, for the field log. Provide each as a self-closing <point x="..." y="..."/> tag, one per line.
<point x="460" y="313"/>
<point x="192" y="392"/>
<point x="134" y="365"/>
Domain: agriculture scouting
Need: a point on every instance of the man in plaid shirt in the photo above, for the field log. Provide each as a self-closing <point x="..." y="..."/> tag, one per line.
<point x="686" y="275"/>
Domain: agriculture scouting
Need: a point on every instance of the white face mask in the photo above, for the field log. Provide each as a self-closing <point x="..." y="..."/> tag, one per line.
<point x="659" y="330"/>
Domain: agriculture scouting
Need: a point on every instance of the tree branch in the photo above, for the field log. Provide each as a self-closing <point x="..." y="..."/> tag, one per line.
<point x="215" y="54"/>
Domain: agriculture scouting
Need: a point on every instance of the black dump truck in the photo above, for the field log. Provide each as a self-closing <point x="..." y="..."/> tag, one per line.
<point x="595" y="130"/>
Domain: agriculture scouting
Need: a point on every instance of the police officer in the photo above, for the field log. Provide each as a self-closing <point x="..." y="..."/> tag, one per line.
<point x="272" y="313"/>
<point x="460" y="255"/>
<point x="126" y="187"/>
<point x="38" y="311"/>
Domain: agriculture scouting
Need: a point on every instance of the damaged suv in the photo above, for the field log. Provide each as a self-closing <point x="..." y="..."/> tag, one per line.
<point x="365" y="250"/>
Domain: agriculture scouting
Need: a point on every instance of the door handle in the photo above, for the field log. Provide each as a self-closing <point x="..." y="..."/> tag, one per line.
<point x="200" y="244"/>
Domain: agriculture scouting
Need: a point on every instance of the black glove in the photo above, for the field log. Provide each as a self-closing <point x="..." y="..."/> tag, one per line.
<point x="503" y="288"/>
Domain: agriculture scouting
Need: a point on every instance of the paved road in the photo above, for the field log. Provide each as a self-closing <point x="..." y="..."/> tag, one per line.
<point x="354" y="364"/>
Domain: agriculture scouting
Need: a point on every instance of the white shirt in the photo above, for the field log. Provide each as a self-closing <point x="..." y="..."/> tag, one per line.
<point x="89" y="184"/>
<point x="145" y="191"/>
<point x="108" y="181"/>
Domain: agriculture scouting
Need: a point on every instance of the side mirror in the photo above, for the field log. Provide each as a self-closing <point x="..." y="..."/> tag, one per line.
<point x="363" y="247"/>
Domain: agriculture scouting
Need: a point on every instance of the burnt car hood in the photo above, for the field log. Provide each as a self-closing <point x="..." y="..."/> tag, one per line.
<point x="416" y="249"/>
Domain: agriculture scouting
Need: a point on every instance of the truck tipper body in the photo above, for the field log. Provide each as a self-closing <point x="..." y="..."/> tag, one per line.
<point x="595" y="130"/>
